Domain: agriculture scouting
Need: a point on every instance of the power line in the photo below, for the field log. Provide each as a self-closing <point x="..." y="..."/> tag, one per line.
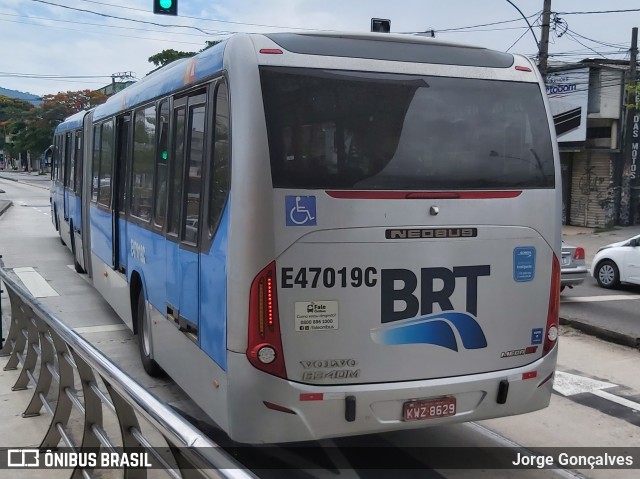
<point x="32" y="17"/>
<point x="600" y="11"/>
<point x="122" y="18"/>
<point x="104" y="33"/>
<point x="199" y="18"/>
<point x="613" y="45"/>
<point x="483" y="24"/>
<point x="40" y="75"/>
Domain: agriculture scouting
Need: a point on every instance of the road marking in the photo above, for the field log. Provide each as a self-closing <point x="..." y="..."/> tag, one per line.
<point x="595" y="299"/>
<point x="101" y="329"/>
<point x="35" y="283"/>
<point x="571" y="384"/>
<point x="618" y="400"/>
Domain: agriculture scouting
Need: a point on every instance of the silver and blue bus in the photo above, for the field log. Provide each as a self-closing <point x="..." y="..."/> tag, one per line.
<point x="66" y="185"/>
<point x="322" y="235"/>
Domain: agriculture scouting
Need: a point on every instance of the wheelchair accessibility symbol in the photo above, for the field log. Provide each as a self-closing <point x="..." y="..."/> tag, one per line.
<point x="300" y="210"/>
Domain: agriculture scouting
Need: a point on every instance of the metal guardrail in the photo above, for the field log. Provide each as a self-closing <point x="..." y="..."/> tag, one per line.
<point x="50" y="352"/>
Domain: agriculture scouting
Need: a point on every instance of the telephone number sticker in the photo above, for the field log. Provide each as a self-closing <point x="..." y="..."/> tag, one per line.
<point x="316" y="315"/>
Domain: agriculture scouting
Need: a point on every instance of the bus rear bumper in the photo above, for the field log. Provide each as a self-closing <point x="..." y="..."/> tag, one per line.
<point x="267" y="409"/>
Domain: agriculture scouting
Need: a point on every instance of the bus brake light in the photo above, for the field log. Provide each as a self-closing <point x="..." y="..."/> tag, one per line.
<point x="264" y="349"/>
<point x="551" y="330"/>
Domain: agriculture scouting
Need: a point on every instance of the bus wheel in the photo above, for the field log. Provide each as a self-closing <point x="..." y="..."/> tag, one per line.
<point x="144" y="340"/>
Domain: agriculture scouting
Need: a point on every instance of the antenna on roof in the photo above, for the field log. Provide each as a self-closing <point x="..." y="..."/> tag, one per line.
<point x="380" y="25"/>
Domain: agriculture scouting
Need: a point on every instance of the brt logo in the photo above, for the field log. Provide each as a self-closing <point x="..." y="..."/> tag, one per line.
<point x="416" y="322"/>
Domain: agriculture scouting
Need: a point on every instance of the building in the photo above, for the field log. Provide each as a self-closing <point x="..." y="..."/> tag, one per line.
<point x="587" y="102"/>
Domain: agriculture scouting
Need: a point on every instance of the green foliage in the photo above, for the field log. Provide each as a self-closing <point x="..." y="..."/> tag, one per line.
<point x="167" y="56"/>
<point x="31" y="129"/>
<point x="632" y="92"/>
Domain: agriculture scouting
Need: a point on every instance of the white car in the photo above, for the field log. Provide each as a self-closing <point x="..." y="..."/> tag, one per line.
<point x="617" y="262"/>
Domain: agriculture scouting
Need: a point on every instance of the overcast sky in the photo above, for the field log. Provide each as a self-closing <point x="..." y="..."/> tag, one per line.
<point x="40" y="39"/>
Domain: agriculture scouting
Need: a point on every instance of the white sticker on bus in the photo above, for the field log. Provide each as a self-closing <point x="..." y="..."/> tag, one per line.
<point x="316" y="315"/>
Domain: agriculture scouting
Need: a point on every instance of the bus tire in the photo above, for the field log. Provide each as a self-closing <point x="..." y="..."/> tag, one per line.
<point x="152" y="368"/>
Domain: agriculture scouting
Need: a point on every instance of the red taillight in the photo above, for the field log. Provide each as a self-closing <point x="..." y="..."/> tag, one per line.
<point x="551" y="331"/>
<point x="522" y="69"/>
<point x="271" y="51"/>
<point x="578" y="253"/>
<point x="265" y="344"/>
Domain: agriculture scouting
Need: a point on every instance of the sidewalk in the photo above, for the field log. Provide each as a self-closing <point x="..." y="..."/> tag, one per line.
<point x="31" y="178"/>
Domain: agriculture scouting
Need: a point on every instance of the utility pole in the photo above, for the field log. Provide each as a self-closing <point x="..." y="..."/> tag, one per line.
<point x="632" y="130"/>
<point x="543" y="53"/>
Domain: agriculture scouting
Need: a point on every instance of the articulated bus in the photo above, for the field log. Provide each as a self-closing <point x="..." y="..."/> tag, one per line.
<point x="323" y="235"/>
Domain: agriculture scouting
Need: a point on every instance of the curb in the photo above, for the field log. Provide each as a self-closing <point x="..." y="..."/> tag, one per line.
<point x="602" y="333"/>
<point x="4" y="206"/>
<point x="17" y="180"/>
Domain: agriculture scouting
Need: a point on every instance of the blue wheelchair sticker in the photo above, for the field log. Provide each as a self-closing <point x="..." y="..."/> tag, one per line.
<point x="300" y="210"/>
<point x="524" y="263"/>
<point x="536" y="336"/>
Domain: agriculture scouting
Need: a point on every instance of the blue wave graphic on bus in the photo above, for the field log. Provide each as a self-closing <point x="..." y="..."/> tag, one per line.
<point x="434" y="329"/>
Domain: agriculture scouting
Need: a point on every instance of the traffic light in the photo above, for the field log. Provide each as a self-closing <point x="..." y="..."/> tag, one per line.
<point x="165" y="7"/>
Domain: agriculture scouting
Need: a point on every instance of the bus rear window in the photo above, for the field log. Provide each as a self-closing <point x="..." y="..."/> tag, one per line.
<point x="331" y="129"/>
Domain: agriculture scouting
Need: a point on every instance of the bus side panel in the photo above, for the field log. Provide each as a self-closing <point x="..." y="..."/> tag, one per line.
<point x="101" y="234"/>
<point x="124" y="243"/>
<point x="213" y="295"/>
<point x="75" y="212"/>
<point x="145" y="253"/>
<point x="174" y="273"/>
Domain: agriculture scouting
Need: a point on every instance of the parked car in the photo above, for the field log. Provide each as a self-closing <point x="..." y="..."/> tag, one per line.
<point x="617" y="263"/>
<point x="573" y="268"/>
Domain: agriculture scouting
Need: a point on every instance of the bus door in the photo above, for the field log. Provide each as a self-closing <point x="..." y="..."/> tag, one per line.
<point x="118" y="223"/>
<point x="183" y="263"/>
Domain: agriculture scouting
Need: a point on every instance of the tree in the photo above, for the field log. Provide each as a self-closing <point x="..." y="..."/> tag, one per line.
<point x="14" y="116"/>
<point x="30" y="128"/>
<point x="63" y="104"/>
<point x="167" y="56"/>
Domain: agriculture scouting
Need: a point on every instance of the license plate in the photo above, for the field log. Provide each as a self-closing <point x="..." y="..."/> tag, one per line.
<point x="566" y="260"/>
<point x="429" y="409"/>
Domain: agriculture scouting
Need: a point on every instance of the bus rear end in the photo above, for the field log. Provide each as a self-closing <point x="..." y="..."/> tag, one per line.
<point x="414" y="276"/>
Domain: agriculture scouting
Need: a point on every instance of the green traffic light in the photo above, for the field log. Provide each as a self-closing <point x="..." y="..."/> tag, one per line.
<point x="166" y="3"/>
<point x="165" y="155"/>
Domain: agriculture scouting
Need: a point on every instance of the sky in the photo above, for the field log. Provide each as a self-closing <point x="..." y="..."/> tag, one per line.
<point x="47" y="46"/>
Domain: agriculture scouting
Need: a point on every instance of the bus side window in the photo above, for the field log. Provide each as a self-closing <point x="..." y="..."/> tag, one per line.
<point x="195" y="152"/>
<point x="78" y="163"/>
<point x="177" y="170"/>
<point x="70" y="158"/>
<point x="162" y="156"/>
<point x="219" y="175"/>
<point x="95" y="165"/>
<point x="144" y="134"/>
<point x="106" y="161"/>
<point x="63" y="167"/>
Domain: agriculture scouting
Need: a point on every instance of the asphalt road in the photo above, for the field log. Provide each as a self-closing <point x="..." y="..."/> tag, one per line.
<point x="610" y="314"/>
